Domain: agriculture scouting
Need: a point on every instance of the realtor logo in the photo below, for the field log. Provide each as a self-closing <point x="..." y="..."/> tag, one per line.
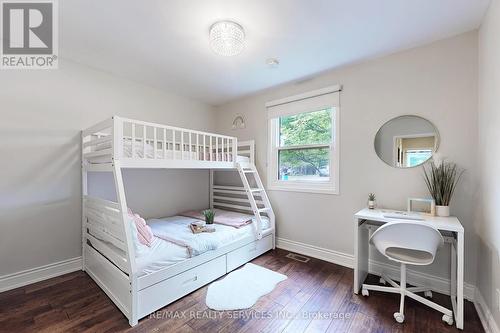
<point x="29" y="34"/>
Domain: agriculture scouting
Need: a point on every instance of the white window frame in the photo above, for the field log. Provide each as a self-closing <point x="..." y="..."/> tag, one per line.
<point x="308" y="102"/>
<point x="410" y="136"/>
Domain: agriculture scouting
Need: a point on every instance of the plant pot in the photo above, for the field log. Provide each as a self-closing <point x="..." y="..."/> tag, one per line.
<point x="372" y="204"/>
<point x="443" y="211"/>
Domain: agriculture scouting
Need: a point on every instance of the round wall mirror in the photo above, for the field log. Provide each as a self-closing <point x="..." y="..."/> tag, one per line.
<point x="406" y="141"/>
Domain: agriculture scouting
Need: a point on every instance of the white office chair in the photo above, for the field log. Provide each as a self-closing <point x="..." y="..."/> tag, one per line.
<point x="412" y="243"/>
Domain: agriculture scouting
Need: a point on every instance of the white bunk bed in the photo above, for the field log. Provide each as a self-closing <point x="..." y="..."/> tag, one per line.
<point x="108" y="250"/>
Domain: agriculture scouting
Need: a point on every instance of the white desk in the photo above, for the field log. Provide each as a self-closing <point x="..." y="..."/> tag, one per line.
<point x="366" y="217"/>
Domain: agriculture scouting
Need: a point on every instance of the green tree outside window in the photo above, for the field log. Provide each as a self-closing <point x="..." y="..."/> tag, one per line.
<point x="310" y="128"/>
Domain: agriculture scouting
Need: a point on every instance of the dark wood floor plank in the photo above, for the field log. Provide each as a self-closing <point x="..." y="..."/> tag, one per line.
<point x="363" y="323"/>
<point x="257" y="325"/>
<point x="349" y="310"/>
<point x="309" y="282"/>
<point x="340" y="292"/>
<point x="317" y="306"/>
<point x="74" y="303"/>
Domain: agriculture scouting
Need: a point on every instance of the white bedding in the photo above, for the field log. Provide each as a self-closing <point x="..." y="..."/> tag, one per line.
<point x="241" y="158"/>
<point x="169" y="153"/>
<point x="163" y="253"/>
<point x="176" y="230"/>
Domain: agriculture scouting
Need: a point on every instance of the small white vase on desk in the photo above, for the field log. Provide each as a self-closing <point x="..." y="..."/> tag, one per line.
<point x="372" y="204"/>
<point x="443" y="211"/>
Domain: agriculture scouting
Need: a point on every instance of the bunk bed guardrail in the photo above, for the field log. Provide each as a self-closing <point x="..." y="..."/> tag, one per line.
<point x="104" y="222"/>
<point x="136" y="142"/>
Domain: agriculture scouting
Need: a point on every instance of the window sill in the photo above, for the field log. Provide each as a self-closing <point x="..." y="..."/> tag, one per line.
<point x="303" y="190"/>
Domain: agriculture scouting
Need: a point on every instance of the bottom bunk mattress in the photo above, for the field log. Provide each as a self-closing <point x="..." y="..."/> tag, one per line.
<point x="163" y="253"/>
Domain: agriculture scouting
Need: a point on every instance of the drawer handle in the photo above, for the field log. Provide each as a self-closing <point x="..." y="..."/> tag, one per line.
<point x="195" y="278"/>
<point x="253" y="249"/>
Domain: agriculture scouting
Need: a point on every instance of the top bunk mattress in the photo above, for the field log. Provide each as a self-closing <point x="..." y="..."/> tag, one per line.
<point x="160" y="153"/>
<point x="241" y="158"/>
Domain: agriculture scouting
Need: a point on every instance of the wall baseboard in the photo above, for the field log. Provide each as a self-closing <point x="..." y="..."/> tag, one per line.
<point x="317" y="252"/>
<point x="485" y="314"/>
<point x="435" y="283"/>
<point x="29" y="276"/>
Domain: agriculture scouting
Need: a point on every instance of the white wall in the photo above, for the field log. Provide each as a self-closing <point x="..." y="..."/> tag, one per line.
<point x="41" y="116"/>
<point x="437" y="82"/>
<point x="489" y="164"/>
<point x="166" y="192"/>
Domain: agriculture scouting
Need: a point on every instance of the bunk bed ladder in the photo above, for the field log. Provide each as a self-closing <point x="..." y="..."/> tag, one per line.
<point x="250" y="169"/>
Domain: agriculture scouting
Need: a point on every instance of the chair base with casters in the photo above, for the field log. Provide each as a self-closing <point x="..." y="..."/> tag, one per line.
<point x="410" y="292"/>
<point x="408" y="243"/>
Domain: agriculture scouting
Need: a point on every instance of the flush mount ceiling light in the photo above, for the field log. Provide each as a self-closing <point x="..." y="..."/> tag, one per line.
<point x="272" y="62"/>
<point x="227" y="38"/>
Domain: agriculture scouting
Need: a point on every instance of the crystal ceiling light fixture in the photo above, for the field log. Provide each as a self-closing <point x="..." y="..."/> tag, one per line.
<point x="227" y="38"/>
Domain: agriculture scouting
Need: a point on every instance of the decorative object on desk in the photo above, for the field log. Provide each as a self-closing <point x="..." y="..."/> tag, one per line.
<point x="209" y="216"/>
<point x="441" y="179"/>
<point x="422" y="206"/>
<point x="372" y="203"/>
<point x="406" y="141"/>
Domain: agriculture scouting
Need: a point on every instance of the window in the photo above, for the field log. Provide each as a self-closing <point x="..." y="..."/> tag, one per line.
<point x="416" y="157"/>
<point x="413" y="149"/>
<point x="303" y="153"/>
<point x="304" y="148"/>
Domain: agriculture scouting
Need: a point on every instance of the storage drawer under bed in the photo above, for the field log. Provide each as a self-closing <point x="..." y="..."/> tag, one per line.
<point x="169" y="290"/>
<point x="248" y="252"/>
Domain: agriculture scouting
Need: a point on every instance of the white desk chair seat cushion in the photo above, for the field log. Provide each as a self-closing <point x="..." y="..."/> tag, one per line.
<point x="416" y="257"/>
<point x="414" y="243"/>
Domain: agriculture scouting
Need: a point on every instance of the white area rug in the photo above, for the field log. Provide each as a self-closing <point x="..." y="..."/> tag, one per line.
<point x="242" y="288"/>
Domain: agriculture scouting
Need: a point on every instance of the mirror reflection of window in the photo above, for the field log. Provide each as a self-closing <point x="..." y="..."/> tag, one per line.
<point x="417" y="157"/>
<point x="413" y="151"/>
<point x="406" y="141"/>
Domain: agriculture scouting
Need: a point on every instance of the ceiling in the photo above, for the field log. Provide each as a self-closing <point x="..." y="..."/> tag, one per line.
<point x="165" y="43"/>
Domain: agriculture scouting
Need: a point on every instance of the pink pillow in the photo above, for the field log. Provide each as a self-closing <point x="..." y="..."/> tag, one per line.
<point x="144" y="233"/>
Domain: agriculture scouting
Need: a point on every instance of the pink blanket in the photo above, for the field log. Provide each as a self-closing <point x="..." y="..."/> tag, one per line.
<point x="232" y="219"/>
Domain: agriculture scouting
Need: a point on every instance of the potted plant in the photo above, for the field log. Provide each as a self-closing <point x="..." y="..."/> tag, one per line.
<point x="441" y="180"/>
<point x="371" y="201"/>
<point x="209" y="216"/>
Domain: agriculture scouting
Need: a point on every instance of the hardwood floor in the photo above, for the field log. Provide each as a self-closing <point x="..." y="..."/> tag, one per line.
<point x="316" y="297"/>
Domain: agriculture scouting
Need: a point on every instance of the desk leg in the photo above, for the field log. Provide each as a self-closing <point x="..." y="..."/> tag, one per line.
<point x="361" y="247"/>
<point x="460" y="281"/>
<point x="453" y="275"/>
